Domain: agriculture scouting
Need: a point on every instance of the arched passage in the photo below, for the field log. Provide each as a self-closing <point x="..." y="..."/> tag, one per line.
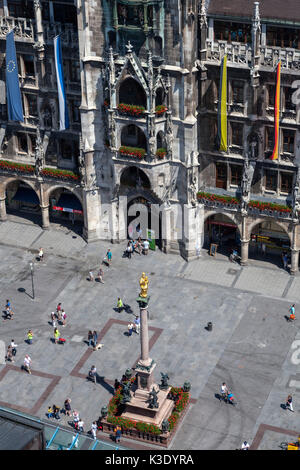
<point x="269" y="241"/>
<point x="131" y="92"/>
<point x="22" y="200"/>
<point x="134" y="177"/>
<point x="223" y="231"/>
<point x="66" y="208"/>
<point x="133" y="136"/>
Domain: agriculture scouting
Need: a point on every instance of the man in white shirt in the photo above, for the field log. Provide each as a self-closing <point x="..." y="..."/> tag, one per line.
<point x="245" y="446"/>
<point x="80" y="425"/>
<point x="224" y="390"/>
<point x="146" y="247"/>
<point x="14" y="347"/>
<point x="27" y="363"/>
<point x="94" y="429"/>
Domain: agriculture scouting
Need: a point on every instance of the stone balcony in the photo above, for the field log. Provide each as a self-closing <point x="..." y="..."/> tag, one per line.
<point x="23" y="28"/>
<point x="241" y="55"/>
<point x="68" y="32"/>
<point x="237" y="53"/>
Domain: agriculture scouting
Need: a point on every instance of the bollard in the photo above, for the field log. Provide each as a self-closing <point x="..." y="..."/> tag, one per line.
<point x="209" y="326"/>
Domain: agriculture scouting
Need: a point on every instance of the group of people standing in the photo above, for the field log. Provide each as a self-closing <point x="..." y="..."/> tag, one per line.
<point x="137" y="246"/>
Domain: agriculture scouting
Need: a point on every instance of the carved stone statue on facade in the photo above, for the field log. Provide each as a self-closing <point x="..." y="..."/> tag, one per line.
<point x="39" y="153"/>
<point x="153" y="400"/>
<point x="247" y="178"/>
<point x="295" y="199"/>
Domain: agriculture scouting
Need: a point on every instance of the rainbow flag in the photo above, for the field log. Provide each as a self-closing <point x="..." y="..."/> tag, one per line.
<point x="275" y="153"/>
<point x="222" y="108"/>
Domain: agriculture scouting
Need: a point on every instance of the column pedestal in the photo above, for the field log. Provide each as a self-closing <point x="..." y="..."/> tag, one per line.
<point x="294" y="262"/>
<point x="244" y="252"/>
<point x="3" y="215"/>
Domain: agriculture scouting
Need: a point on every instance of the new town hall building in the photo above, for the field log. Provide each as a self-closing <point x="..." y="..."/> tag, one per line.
<point x="142" y="83"/>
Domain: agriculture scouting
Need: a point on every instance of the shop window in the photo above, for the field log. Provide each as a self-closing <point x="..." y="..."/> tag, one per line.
<point x="221" y="175"/>
<point x="269" y="139"/>
<point x="237" y="91"/>
<point x="271" y="96"/>
<point x="21" y="9"/>
<point x="288" y="141"/>
<point x="236" y="174"/>
<point x="28" y="61"/>
<point x="31" y="101"/>
<point x="283" y="37"/>
<point x="227" y="31"/>
<point x="66" y="149"/>
<point x="286" y="182"/>
<point x="22" y="142"/>
<point x="288" y="101"/>
<point x="237" y="134"/>
<point x="270" y="180"/>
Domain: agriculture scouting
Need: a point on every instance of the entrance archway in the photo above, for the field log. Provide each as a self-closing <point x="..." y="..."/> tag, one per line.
<point x="66" y="209"/>
<point x="223" y="231"/>
<point x="269" y="241"/>
<point x="22" y="200"/>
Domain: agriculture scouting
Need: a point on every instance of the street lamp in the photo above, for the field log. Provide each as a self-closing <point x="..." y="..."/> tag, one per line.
<point x="31" y="270"/>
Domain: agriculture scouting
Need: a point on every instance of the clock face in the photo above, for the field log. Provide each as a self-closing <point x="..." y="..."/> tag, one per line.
<point x="11" y="66"/>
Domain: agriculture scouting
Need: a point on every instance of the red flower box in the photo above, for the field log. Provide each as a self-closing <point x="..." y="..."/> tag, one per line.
<point x="132" y="109"/>
<point x="134" y="152"/>
<point x="160" y="109"/>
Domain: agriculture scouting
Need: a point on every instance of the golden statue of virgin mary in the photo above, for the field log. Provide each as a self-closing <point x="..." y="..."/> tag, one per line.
<point x="144" y="285"/>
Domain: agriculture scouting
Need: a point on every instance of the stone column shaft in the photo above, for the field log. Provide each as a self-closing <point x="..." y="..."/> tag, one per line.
<point x="244" y="252"/>
<point x="3" y="215"/>
<point x="45" y="217"/>
<point x="144" y="337"/>
<point x="294" y="262"/>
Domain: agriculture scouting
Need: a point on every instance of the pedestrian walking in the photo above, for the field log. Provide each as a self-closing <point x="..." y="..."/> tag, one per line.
<point x="129" y="250"/>
<point x="118" y="433"/>
<point x="75" y="419"/>
<point x="245" y="446"/>
<point x="100" y="275"/>
<point x="67" y="406"/>
<point x="289" y="403"/>
<point x="292" y="316"/>
<point x="27" y="363"/>
<point x="93" y="374"/>
<point x="120" y="305"/>
<point x="53" y="319"/>
<point x="80" y="425"/>
<point x="130" y="328"/>
<point x="41" y="254"/>
<point x="137" y="324"/>
<point x="90" y="338"/>
<point x="95" y="338"/>
<point x="56" y="335"/>
<point x="285" y="260"/>
<point x="109" y="257"/>
<point x="91" y="276"/>
<point x="29" y="337"/>
<point x="9" y="354"/>
<point x="56" y="410"/>
<point x="63" y="317"/>
<point x="50" y="413"/>
<point x="13" y="347"/>
<point x="224" y="391"/>
<point x="146" y="247"/>
<point x="94" y="429"/>
<point x="8" y="311"/>
<point x="58" y="309"/>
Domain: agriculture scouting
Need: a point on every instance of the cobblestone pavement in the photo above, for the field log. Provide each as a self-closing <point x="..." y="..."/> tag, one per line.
<point x="251" y="346"/>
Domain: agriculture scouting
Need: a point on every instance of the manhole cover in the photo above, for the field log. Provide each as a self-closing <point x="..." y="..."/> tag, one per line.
<point x="232" y="271"/>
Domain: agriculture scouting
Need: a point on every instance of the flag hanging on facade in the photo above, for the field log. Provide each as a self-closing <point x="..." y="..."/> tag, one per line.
<point x="275" y="153"/>
<point x="63" y="109"/>
<point x="222" y="108"/>
<point x="13" y="93"/>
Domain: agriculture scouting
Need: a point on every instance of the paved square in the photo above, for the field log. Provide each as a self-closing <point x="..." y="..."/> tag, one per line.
<point x="251" y="346"/>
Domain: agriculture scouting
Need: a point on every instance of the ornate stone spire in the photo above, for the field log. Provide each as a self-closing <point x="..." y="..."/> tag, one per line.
<point x="129" y="47"/>
<point x="256" y="17"/>
<point x="202" y="14"/>
<point x="111" y="65"/>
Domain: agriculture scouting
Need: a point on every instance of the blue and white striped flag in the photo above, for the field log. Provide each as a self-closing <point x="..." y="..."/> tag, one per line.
<point x="63" y="108"/>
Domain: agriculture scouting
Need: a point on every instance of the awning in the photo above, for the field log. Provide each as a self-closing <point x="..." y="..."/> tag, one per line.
<point x="68" y="203"/>
<point x="26" y="195"/>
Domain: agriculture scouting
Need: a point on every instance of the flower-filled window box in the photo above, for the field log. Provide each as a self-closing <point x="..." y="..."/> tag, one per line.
<point x="19" y="167"/>
<point x="216" y="198"/>
<point x="60" y="174"/>
<point x="269" y="206"/>
<point x="131" y="109"/>
<point x="161" y="152"/>
<point x="160" y="109"/>
<point x="134" y="152"/>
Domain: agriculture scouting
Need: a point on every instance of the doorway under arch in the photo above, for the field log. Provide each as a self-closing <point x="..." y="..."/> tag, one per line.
<point x="221" y="230"/>
<point x="66" y="209"/>
<point x="22" y="200"/>
<point x="269" y="241"/>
